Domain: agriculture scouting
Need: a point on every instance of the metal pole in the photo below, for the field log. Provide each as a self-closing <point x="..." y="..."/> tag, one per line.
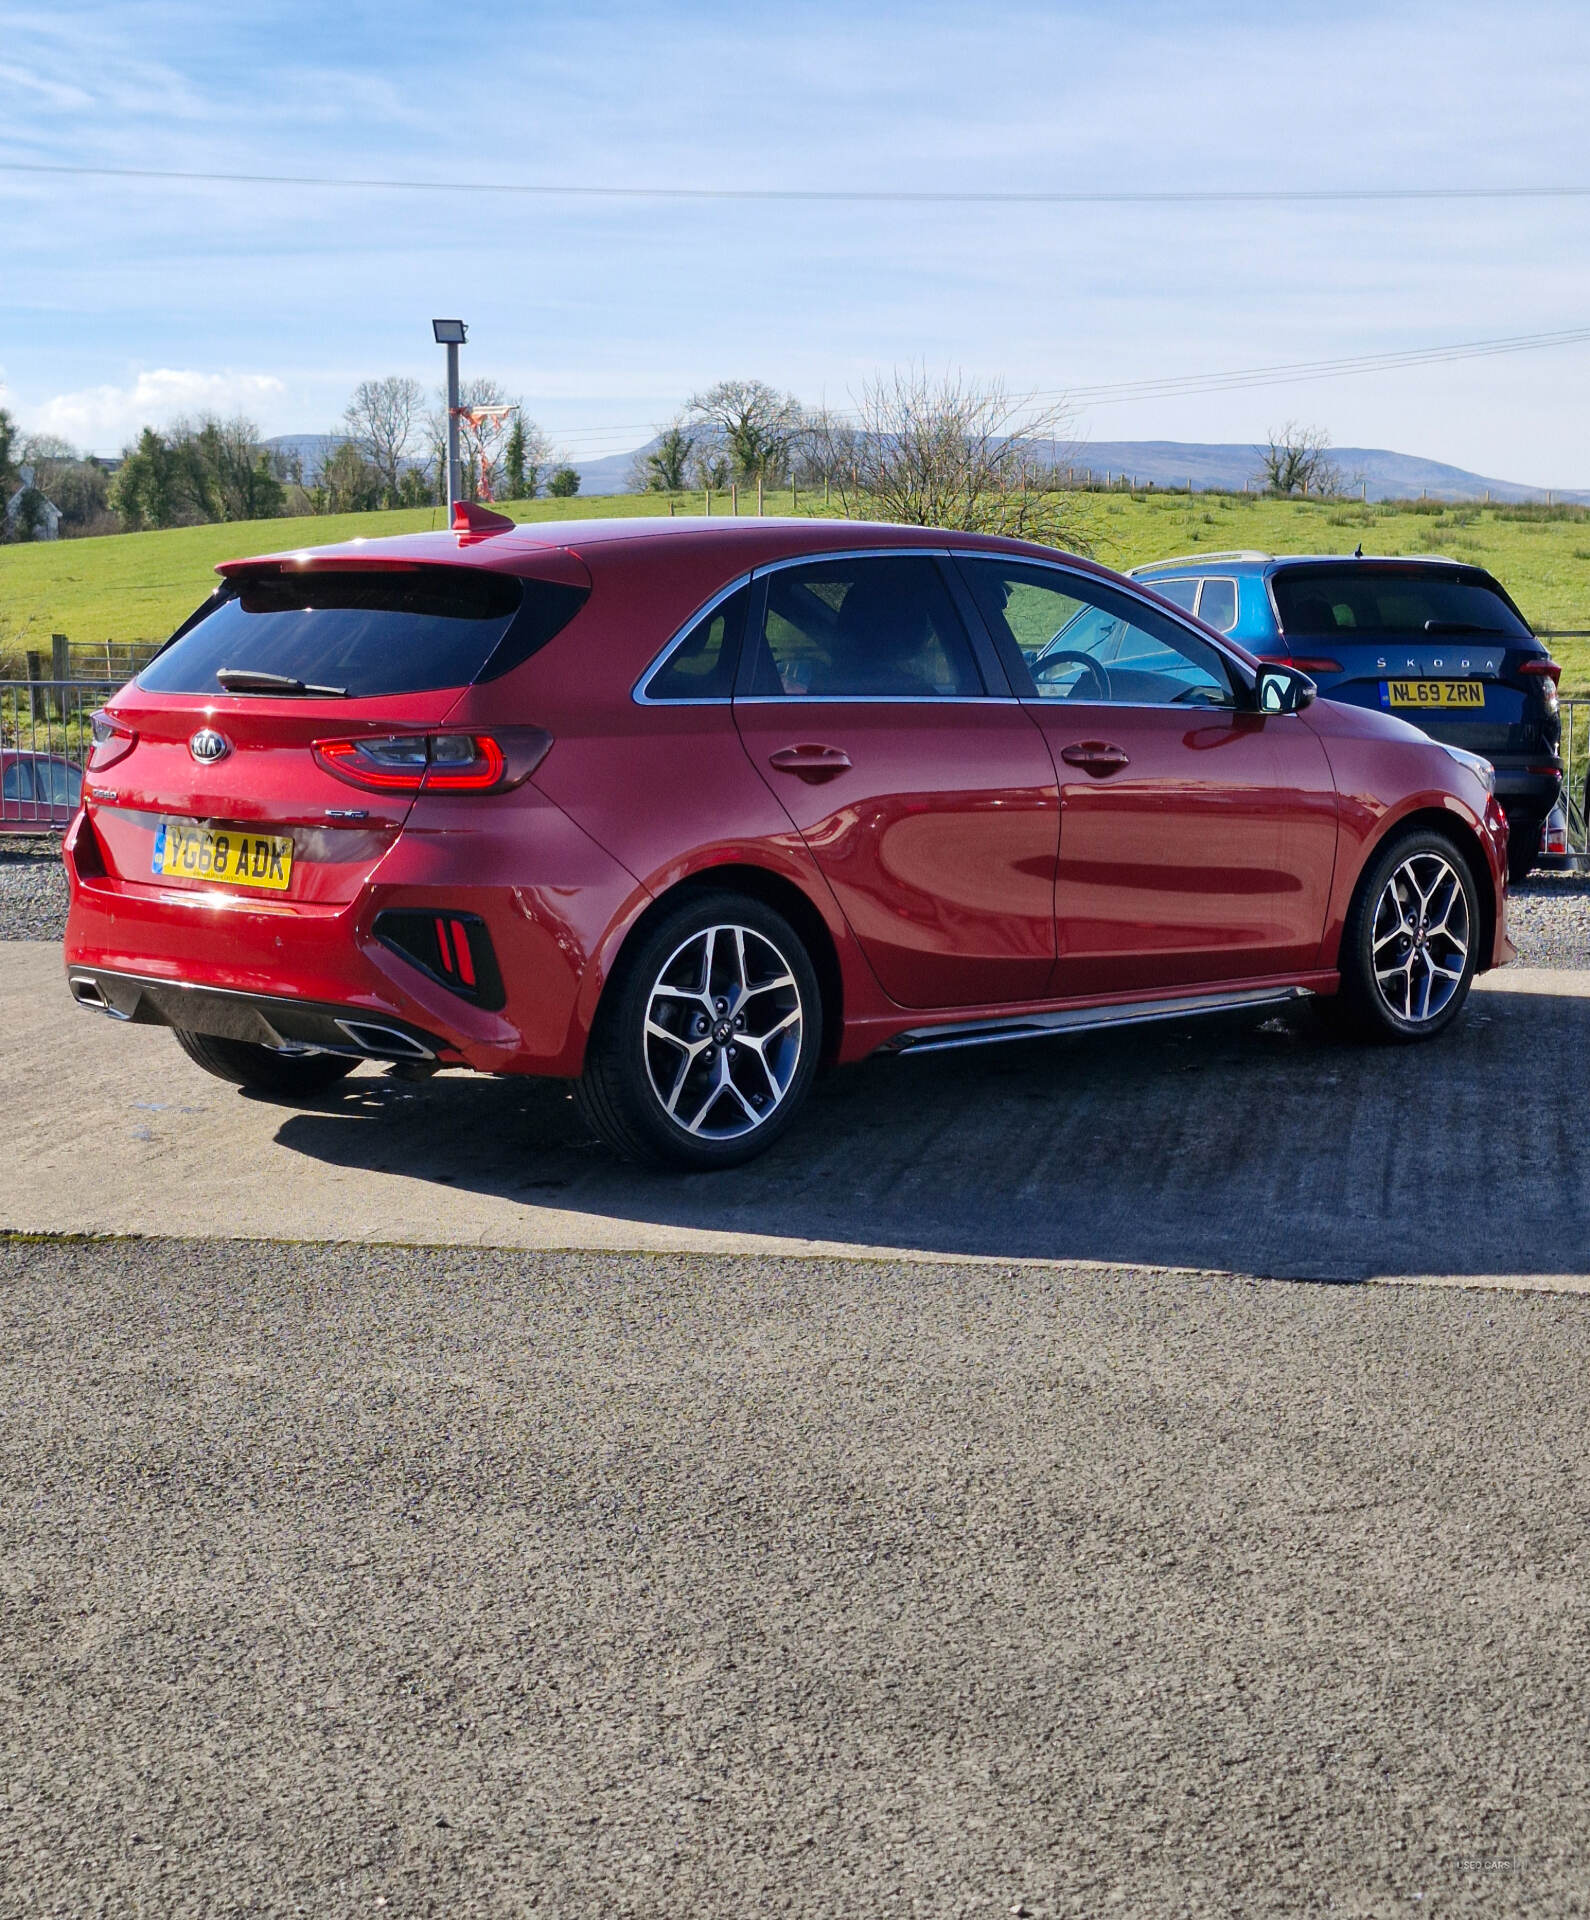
<point x="452" y="426"/>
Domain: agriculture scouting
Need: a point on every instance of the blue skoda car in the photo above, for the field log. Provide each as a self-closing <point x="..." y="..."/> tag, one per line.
<point x="1436" y="642"/>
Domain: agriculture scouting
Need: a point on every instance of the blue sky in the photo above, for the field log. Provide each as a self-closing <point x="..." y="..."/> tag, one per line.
<point x="123" y="301"/>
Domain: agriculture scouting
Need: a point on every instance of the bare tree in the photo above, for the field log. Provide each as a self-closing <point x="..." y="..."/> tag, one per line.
<point x="750" y="424"/>
<point x="382" y="417"/>
<point x="482" y="391"/>
<point x="948" y="453"/>
<point x="1296" y="459"/>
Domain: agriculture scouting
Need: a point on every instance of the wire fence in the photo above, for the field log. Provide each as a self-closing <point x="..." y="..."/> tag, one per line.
<point x="45" y="734"/>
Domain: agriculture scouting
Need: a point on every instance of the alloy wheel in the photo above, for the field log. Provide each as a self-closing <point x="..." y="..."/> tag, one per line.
<point x="724" y="1031"/>
<point x="1419" y="941"/>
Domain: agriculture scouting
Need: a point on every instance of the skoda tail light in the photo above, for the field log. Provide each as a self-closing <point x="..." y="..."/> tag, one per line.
<point x="1548" y="673"/>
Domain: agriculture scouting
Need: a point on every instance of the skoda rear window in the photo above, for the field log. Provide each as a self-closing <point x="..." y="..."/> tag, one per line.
<point x="364" y="632"/>
<point x="1356" y="601"/>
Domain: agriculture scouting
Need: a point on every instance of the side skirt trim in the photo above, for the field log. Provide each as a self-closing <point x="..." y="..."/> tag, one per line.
<point x="1035" y="1026"/>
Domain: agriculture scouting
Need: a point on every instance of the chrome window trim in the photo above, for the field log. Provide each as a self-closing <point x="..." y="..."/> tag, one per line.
<point x="638" y="692"/>
<point x="873" y="700"/>
<point x="849" y="553"/>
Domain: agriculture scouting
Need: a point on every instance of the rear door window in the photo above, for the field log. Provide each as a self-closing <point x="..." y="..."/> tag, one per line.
<point x="863" y="629"/>
<point x="1180" y="593"/>
<point x="1365" y="602"/>
<point x="366" y="633"/>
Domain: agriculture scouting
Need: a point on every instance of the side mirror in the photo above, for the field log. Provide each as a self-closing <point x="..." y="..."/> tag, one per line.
<point x="1283" y="690"/>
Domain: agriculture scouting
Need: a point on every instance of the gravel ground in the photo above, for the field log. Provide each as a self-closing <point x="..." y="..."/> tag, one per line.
<point x="445" y="1582"/>
<point x="1550" y="914"/>
<point x="32" y="891"/>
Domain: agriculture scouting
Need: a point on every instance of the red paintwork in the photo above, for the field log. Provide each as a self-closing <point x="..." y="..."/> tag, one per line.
<point x="958" y="868"/>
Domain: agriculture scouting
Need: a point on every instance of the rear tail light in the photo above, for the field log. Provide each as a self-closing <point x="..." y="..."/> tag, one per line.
<point x="1548" y="672"/>
<point x="454" y="948"/>
<point x="1304" y="662"/>
<point x="1554" y="837"/>
<point x="436" y="762"/>
<point x="111" y="741"/>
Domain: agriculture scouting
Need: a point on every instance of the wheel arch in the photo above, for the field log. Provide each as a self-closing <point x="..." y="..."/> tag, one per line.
<point x="773" y="890"/>
<point x="1456" y="828"/>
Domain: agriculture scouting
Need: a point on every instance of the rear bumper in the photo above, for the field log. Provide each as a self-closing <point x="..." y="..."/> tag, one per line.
<point x="1528" y="785"/>
<point x="265" y="1020"/>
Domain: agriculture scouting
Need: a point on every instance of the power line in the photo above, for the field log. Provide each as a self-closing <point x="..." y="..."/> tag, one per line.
<point x="859" y="196"/>
<point x="1174" y="386"/>
<point x="1170" y="387"/>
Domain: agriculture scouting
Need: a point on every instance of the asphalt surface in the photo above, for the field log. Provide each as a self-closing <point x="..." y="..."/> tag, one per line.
<point x="346" y="1580"/>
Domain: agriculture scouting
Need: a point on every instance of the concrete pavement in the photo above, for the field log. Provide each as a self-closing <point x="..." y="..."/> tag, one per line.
<point x="1226" y="1147"/>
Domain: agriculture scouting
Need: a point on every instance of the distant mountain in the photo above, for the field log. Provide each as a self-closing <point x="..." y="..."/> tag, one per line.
<point x="313" y="449"/>
<point x="1388" y="476"/>
<point x="1210" y="466"/>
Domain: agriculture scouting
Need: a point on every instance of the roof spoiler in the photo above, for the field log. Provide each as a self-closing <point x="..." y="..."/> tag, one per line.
<point x="479" y="521"/>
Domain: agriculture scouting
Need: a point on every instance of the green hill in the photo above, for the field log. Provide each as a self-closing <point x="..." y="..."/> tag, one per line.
<point x="138" y="586"/>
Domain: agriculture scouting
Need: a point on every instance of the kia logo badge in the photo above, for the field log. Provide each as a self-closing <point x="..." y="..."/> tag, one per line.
<point x="207" y="746"/>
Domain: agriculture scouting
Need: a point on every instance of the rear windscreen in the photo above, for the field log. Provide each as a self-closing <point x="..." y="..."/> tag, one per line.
<point x="365" y="633"/>
<point x="1366" y="602"/>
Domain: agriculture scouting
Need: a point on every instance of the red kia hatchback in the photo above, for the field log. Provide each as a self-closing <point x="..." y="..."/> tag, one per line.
<point x="682" y="810"/>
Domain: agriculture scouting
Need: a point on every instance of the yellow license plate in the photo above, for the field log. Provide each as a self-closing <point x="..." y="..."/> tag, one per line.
<point x="1435" y="693"/>
<point x="224" y="855"/>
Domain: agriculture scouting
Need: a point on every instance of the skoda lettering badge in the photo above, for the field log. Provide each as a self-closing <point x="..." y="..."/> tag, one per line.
<point x="207" y="746"/>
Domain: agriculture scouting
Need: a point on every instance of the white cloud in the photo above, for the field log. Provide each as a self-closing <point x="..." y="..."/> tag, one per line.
<point x="102" y="418"/>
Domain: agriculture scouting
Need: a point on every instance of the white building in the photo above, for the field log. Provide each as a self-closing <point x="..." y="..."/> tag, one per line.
<point x="49" y="522"/>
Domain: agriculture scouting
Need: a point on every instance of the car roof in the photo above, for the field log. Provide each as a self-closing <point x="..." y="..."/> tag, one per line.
<point x="740" y="543"/>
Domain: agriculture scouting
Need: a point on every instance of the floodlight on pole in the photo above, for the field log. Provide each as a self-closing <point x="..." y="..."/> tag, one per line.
<point x="451" y="334"/>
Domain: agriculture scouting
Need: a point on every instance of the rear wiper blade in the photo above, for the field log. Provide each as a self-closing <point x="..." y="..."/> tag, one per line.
<point x="250" y="680"/>
<point x="1465" y="626"/>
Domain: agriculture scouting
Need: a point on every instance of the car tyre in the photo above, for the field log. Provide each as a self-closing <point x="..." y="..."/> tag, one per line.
<point x="707" y="1037"/>
<point x="1523" y="848"/>
<point x="291" y="1076"/>
<point x="1410" y="947"/>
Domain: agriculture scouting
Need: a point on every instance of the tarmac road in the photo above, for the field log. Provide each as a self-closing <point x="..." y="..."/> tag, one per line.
<point x="371" y="1580"/>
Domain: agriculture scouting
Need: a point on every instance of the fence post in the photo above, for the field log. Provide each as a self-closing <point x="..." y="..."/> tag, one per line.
<point x="60" y="669"/>
<point x="734" y="497"/>
<point x="35" y="672"/>
<point x="708" y="491"/>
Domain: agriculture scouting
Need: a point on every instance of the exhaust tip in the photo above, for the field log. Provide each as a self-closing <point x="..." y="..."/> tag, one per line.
<point x="384" y="1043"/>
<point x="88" y="993"/>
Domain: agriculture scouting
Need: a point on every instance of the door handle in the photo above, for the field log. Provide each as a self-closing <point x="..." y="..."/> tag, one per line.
<point x="1096" y="756"/>
<point x="810" y="763"/>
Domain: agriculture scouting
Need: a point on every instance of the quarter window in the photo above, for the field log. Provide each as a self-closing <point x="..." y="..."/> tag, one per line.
<point x="863" y="629"/>
<point x="1082" y="640"/>
<point x="1217" y="604"/>
<point x="702" y="666"/>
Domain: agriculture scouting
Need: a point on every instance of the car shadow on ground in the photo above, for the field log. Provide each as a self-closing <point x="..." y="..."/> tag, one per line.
<point x="1257" y="1147"/>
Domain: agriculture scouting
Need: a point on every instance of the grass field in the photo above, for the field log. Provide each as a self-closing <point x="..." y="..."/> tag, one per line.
<point x="138" y="586"/>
